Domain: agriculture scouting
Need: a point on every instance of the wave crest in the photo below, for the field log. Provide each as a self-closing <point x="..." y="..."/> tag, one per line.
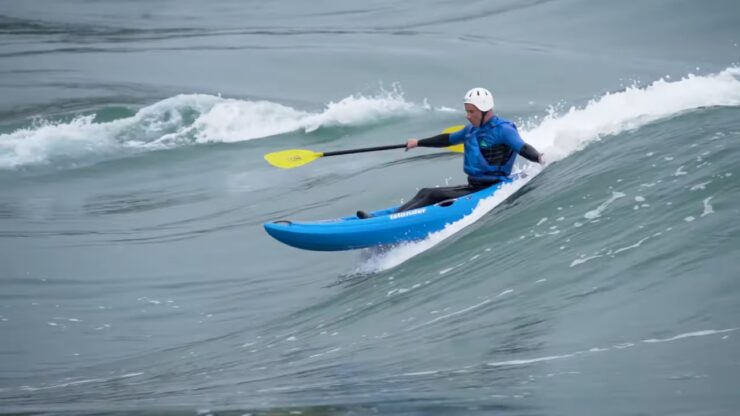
<point x="188" y="119"/>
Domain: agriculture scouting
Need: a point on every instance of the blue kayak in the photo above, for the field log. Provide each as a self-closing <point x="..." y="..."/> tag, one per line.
<point x="385" y="227"/>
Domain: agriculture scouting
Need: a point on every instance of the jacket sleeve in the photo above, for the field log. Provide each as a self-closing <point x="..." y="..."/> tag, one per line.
<point x="440" y="140"/>
<point x="511" y="138"/>
<point x="530" y="153"/>
<point x="445" y="139"/>
<point x="459" y="136"/>
<point x="514" y="140"/>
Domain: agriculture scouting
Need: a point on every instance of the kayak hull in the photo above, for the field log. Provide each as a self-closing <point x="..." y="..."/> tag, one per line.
<point x="385" y="227"/>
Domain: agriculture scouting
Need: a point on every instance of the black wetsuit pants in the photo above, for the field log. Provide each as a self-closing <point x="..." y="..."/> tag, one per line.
<point x="429" y="196"/>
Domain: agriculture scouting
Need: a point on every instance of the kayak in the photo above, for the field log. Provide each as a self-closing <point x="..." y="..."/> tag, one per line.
<point x="385" y="227"/>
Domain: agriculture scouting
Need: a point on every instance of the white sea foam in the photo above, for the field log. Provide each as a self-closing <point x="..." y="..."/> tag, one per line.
<point x="690" y="335"/>
<point x="680" y="171"/>
<point x="529" y="361"/>
<point x="637" y="244"/>
<point x="584" y="259"/>
<point x="450" y="315"/>
<point x="708" y="332"/>
<point x="74" y="383"/>
<point x="596" y="213"/>
<point x="700" y="186"/>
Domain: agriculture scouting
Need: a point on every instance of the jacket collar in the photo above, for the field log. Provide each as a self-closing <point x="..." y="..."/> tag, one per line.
<point x="493" y="122"/>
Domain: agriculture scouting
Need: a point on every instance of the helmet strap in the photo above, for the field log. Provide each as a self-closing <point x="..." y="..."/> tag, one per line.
<point x="482" y="117"/>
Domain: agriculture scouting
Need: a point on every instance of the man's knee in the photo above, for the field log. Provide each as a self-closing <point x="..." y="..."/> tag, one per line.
<point x="437" y="193"/>
<point x="425" y="192"/>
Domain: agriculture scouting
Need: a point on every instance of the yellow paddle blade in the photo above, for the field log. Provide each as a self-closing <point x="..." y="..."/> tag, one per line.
<point x="453" y="129"/>
<point x="292" y="158"/>
<point x="458" y="148"/>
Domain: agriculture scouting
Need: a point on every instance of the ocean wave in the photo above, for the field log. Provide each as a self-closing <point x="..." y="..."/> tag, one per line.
<point x="188" y="119"/>
<point x="560" y="135"/>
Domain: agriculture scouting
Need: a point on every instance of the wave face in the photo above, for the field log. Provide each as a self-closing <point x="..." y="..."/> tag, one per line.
<point x="136" y="277"/>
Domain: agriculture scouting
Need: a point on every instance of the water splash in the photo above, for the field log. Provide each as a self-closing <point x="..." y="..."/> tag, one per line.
<point x="560" y="135"/>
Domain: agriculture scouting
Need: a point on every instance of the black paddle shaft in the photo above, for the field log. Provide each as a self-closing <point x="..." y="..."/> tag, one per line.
<point x="366" y="149"/>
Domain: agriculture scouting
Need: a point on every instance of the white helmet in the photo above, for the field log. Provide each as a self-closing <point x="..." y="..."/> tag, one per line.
<point x="481" y="98"/>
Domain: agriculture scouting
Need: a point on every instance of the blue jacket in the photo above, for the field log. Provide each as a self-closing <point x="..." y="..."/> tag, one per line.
<point x="496" y="131"/>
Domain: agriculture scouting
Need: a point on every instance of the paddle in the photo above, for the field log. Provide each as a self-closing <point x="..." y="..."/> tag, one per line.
<point x="292" y="158"/>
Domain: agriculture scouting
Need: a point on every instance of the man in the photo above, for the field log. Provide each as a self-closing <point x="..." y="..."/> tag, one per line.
<point x="491" y="146"/>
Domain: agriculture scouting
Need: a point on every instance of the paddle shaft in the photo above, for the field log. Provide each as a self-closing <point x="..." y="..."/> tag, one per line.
<point x="365" y="149"/>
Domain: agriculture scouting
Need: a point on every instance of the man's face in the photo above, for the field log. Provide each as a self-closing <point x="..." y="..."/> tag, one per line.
<point x="473" y="114"/>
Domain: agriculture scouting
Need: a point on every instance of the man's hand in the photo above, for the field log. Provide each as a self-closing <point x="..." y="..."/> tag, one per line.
<point x="411" y="143"/>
